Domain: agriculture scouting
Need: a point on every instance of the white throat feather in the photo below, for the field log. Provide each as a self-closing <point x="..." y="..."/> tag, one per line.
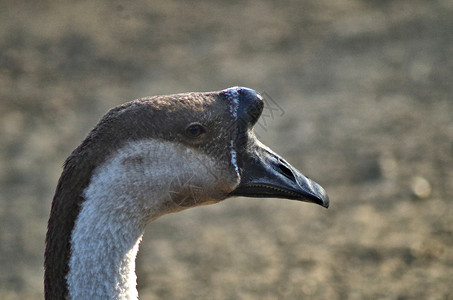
<point x="139" y="183"/>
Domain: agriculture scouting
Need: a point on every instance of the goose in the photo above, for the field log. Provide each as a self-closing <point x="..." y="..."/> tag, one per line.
<point x="147" y="158"/>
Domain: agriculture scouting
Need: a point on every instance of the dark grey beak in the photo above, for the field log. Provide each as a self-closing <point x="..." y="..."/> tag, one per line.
<point x="265" y="174"/>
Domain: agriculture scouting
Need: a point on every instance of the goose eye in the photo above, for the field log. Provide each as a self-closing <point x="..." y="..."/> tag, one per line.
<point x="194" y="130"/>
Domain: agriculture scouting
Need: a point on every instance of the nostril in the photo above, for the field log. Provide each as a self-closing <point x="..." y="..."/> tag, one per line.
<point x="286" y="171"/>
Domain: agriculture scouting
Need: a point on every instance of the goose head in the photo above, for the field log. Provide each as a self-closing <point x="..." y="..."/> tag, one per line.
<point x="199" y="149"/>
<point x="148" y="158"/>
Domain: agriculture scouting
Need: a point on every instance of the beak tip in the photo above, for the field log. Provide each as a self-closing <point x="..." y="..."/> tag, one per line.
<point x="325" y="200"/>
<point x="322" y="200"/>
<point x="320" y="194"/>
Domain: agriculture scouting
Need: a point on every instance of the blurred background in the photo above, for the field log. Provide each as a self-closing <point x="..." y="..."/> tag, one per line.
<point x="365" y="90"/>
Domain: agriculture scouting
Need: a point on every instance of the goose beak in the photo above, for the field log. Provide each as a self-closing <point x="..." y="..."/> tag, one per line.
<point x="265" y="174"/>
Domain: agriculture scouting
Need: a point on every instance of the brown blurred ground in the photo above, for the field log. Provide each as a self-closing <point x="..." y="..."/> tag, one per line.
<point x="366" y="88"/>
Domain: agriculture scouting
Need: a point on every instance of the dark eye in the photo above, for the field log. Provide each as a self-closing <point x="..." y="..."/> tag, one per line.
<point x="194" y="130"/>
